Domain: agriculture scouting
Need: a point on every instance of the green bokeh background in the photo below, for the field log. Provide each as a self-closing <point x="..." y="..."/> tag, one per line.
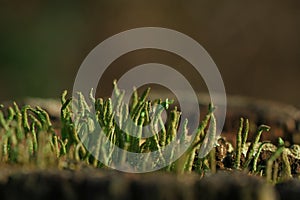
<point x="256" y="45"/>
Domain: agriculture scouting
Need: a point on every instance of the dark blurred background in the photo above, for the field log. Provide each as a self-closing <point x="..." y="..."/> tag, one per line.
<point x="255" y="44"/>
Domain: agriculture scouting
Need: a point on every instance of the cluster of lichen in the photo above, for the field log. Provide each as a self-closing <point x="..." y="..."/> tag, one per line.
<point x="79" y="130"/>
<point x="253" y="151"/>
<point x="27" y="136"/>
